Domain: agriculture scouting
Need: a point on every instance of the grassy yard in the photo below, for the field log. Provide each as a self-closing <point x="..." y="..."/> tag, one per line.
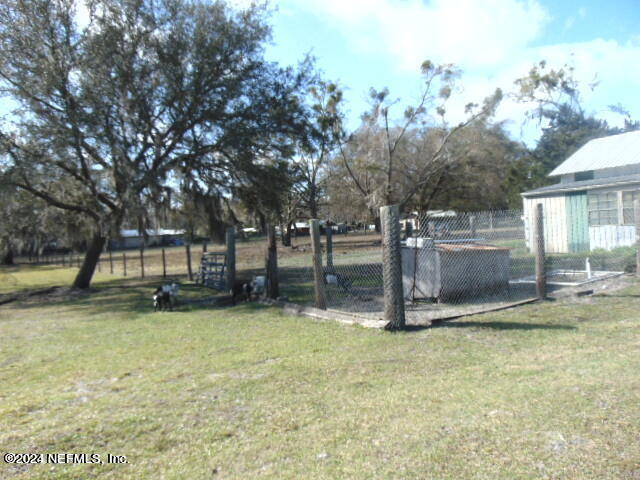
<point x="546" y="391"/>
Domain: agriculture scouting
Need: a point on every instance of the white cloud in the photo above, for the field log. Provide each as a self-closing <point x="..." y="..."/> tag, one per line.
<point x="569" y="22"/>
<point x="613" y="67"/>
<point x="467" y="32"/>
<point x="491" y="40"/>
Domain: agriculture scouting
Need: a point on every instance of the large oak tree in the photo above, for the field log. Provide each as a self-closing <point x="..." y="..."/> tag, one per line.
<point x="135" y="98"/>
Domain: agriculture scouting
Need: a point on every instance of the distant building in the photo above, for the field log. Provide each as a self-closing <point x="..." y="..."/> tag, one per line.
<point x="155" y="238"/>
<point x="592" y="206"/>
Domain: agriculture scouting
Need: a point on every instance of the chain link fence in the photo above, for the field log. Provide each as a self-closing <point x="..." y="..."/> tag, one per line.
<point x="457" y="263"/>
<point x="453" y="264"/>
<point x="351" y="273"/>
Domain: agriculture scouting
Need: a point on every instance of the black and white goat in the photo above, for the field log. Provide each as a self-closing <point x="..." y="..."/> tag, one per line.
<point x="165" y="296"/>
<point x="243" y="289"/>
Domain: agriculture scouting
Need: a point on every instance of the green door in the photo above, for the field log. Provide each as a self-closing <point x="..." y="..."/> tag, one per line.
<point x="577" y="222"/>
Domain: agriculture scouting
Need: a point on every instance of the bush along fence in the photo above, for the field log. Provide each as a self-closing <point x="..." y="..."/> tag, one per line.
<point x="438" y="265"/>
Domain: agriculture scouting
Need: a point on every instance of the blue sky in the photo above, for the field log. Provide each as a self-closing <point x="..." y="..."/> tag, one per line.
<point x="378" y="43"/>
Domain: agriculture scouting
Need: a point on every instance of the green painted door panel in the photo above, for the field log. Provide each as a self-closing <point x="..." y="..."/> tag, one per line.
<point x="577" y="222"/>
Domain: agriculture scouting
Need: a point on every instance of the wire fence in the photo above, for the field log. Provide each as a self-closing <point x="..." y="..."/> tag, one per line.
<point x="456" y="263"/>
<point x="452" y="263"/>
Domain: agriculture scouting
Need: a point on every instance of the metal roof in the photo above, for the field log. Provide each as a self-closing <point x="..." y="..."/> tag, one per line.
<point x="607" y="152"/>
<point x="584" y="185"/>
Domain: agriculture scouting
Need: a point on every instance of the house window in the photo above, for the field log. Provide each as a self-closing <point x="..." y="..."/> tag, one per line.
<point x="603" y="208"/>
<point x="579" y="176"/>
<point x="627" y="207"/>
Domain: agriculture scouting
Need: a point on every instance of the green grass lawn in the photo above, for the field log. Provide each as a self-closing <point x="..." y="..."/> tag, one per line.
<point x="16" y="279"/>
<point x="548" y="391"/>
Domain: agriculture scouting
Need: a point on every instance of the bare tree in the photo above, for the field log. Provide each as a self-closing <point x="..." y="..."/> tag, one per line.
<point x="393" y="160"/>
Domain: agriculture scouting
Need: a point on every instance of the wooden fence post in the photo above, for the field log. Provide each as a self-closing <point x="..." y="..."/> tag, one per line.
<point x="541" y="277"/>
<point x="164" y="264"/>
<point x="636" y="215"/>
<point x="230" y="240"/>
<point x="124" y="263"/>
<point x="392" y="267"/>
<point x="318" y="274"/>
<point x="271" y="264"/>
<point x="142" y="261"/>
<point x="189" y="270"/>
<point x="329" y="233"/>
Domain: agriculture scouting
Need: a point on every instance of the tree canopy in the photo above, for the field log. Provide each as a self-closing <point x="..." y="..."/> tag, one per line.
<point x="142" y="98"/>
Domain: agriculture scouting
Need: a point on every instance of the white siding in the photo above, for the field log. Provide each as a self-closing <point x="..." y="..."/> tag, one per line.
<point x="555" y="223"/>
<point x="611" y="236"/>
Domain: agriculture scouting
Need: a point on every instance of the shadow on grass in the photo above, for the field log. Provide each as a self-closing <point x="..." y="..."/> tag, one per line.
<point x="500" y="325"/>
<point x="124" y="296"/>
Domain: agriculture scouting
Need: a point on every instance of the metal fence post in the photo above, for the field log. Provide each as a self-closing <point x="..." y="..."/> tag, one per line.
<point x="271" y="264"/>
<point x="142" y="262"/>
<point x="318" y="274"/>
<point x="231" y="256"/>
<point x="124" y="263"/>
<point x="329" y="233"/>
<point x="472" y="225"/>
<point x="541" y="277"/>
<point x="164" y="264"/>
<point x="392" y="267"/>
<point x="110" y="262"/>
<point x="636" y="216"/>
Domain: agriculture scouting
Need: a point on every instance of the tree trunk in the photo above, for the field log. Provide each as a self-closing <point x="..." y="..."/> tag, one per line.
<point x="285" y="231"/>
<point x="313" y="201"/>
<point x="262" y="221"/>
<point x="7" y="256"/>
<point x="84" y="276"/>
<point x="217" y="229"/>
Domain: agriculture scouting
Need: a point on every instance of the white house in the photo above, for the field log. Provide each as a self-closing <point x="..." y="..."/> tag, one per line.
<point x="592" y="205"/>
